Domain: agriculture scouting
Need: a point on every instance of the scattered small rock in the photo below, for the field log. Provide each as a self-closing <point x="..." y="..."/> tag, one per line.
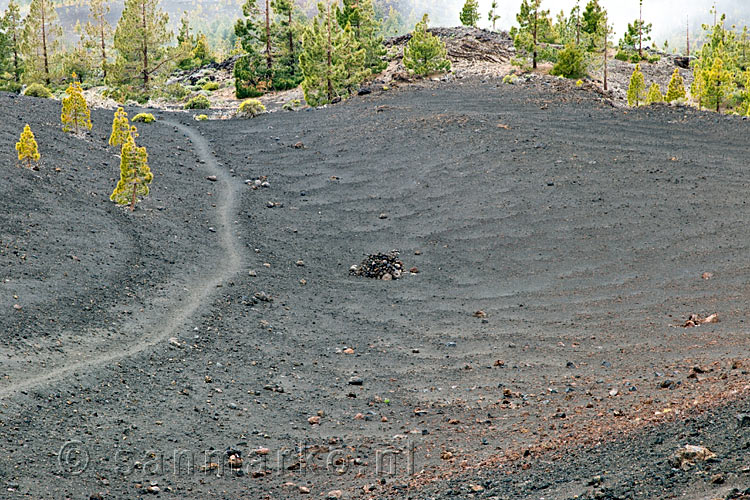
<point x="379" y="266"/>
<point x="686" y="457"/>
<point x="211" y="178"/>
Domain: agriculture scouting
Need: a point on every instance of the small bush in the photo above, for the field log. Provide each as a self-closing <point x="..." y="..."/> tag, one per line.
<point x="654" y="59"/>
<point x="176" y="91"/>
<point x="635" y="58"/>
<point x="291" y="105"/>
<point x="250" y="108"/>
<point x="198" y="102"/>
<point x="38" y="90"/>
<point x="201" y="118"/>
<point x="509" y="79"/>
<point x="11" y="86"/>
<point x="579" y="83"/>
<point x="144" y="118"/>
<point x="622" y="56"/>
<point x="570" y="63"/>
<point x="211" y="86"/>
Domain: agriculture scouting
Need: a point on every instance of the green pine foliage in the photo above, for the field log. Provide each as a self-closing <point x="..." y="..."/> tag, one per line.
<point x="198" y="102"/>
<point x="141" y="41"/>
<point x="534" y="27"/>
<point x="637" y="87"/>
<point x="98" y="34"/>
<point x="75" y="111"/>
<point x="120" y="128"/>
<point x="11" y="34"/>
<point x="37" y="90"/>
<point x="676" y="89"/>
<point x="654" y="94"/>
<point x="41" y="43"/>
<point x="26" y="147"/>
<point x="493" y="16"/>
<point x="332" y="61"/>
<point x="287" y="34"/>
<point x="135" y="174"/>
<point x="718" y="83"/>
<point x="470" y="13"/>
<point x="570" y="62"/>
<point x="250" y="108"/>
<point x="425" y="53"/>
<point x="269" y="38"/>
<point x="144" y="118"/>
<point x="360" y="15"/>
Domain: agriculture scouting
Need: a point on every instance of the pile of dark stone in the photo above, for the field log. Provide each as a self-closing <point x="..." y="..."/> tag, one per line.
<point x="382" y="266"/>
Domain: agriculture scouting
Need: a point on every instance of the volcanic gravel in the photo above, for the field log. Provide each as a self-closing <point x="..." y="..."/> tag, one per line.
<point x="220" y="320"/>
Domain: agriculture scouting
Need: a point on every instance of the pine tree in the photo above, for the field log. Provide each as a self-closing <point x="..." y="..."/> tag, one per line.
<point x="75" y="110"/>
<point x="99" y="32"/>
<point x="12" y="27"/>
<point x="676" y="89"/>
<point x="352" y="59"/>
<point x="319" y="61"/>
<point x="42" y="36"/>
<point x="654" y="94"/>
<point x="252" y="74"/>
<point x="593" y="17"/>
<point x="425" y="53"/>
<point x="470" y="13"/>
<point x="718" y="82"/>
<point x="534" y="26"/>
<point x="27" y="148"/>
<point x="287" y="73"/>
<point x="135" y="174"/>
<point x="141" y="40"/>
<point x="202" y="52"/>
<point x="120" y="128"/>
<point x="493" y="17"/>
<point x="637" y="88"/>
<point x="360" y="15"/>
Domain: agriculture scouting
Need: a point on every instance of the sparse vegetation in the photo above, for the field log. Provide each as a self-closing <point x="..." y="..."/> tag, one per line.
<point x="27" y="148"/>
<point x="250" y="108"/>
<point x="637" y="88"/>
<point x="425" y="53"/>
<point x="654" y="95"/>
<point x="198" y="102"/>
<point x="75" y="111"/>
<point x="135" y="174"/>
<point x="144" y="118"/>
<point x="120" y="128"/>
<point x="38" y="90"/>
<point x="570" y="63"/>
<point x="676" y="89"/>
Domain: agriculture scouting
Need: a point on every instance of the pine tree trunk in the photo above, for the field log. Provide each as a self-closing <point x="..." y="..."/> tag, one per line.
<point x="269" y="60"/>
<point x="536" y="18"/>
<point x="606" y="35"/>
<point x="640" y="31"/>
<point x="330" y="55"/>
<point x="15" y="53"/>
<point x="44" y="45"/>
<point x="291" y="37"/>
<point x="132" y="203"/>
<point x="145" y="46"/>
<point x="104" y="46"/>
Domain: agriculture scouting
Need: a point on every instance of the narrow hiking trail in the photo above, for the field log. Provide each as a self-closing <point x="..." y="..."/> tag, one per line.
<point x="165" y="325"/>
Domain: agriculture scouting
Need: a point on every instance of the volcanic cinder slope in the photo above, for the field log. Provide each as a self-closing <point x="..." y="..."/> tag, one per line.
<point x="581" y="231"/>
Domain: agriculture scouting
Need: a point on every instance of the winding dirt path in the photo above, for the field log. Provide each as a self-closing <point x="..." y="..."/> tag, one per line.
<point x="166" y="325"/>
